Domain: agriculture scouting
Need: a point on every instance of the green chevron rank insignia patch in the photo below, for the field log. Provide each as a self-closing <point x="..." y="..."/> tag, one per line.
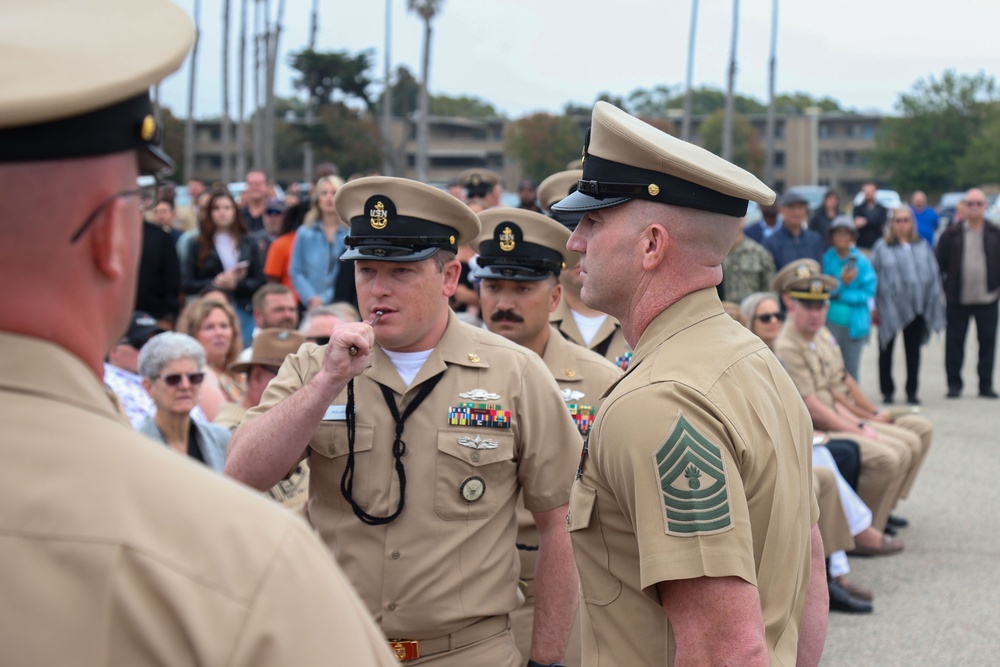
<point x="692" y="477"/>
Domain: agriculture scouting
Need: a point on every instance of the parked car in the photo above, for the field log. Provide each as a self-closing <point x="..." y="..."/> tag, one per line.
<point x="812" y="193"/>
<point x="947" y="208"/>
<point x="888" y="198"/>
<point x="993" y="209"/>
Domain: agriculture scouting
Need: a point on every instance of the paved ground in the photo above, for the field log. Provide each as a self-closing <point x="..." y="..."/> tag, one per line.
<point x="938" y="602"/>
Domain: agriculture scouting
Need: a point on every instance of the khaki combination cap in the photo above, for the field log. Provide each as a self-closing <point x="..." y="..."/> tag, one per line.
<point x="803" y="279"/>
<point x="478" y="182"/>
<point x="557" y="187"/>
<point x="517" y="244"/>
<point x="400" y="220"/>
<point x="76" y="77"/>
<point x="625" y="158"/>
<point x="270" y="348"/>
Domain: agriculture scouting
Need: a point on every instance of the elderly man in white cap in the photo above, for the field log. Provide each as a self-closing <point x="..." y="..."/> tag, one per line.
<point x="114" y="551"/>
<point x="694" y="493"/>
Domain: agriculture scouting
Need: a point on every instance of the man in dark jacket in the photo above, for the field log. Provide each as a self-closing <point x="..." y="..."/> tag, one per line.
<point x="159" y="287"/>
<point x="969" y="256"/>
<point x="869" y="217"/>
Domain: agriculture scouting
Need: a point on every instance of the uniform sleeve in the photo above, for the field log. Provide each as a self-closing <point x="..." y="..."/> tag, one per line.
<point x="550" y="443"/>
<point x="674" y="471"/>
<point x="798" y="369"/>
<point x="306" y="613"/>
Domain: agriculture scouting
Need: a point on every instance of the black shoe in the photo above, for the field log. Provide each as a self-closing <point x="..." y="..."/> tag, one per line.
<point x="898" y="521"/>
<point x="841" y="600"/>
<point x="890" y="529"/>
<point x="886" y="399"/>
<point x="988" y="393"/>
<point x="954" y="392"/>
<point x="913" y="400"/>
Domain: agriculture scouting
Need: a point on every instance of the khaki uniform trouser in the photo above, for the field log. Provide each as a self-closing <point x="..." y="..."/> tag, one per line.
<point x="885" y="465"/>
<point x="833" y="524"/>
<point x="917" y="431"/>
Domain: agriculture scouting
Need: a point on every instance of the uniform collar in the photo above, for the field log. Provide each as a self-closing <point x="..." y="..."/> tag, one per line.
<point x="32" y="366"/>
<point x="460" y="345"/>
<point x="683" y="314"/>
<point x="559" y="358"/>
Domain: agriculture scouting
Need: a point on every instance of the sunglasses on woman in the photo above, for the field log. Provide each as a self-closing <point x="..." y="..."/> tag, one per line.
<point x="174" y="379"/>
<point x="766" y="317"/>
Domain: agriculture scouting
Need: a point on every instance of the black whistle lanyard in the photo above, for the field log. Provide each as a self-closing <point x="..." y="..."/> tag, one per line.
<point x="398" y="448"/>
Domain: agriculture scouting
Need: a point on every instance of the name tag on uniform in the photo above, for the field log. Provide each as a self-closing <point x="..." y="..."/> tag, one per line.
<point x="335" y="413"/>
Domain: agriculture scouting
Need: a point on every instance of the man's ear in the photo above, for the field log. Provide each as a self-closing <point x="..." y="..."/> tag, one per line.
<point x="109" y="239"/>
<point x="655" y="243"/>
<point x="451" y="272"/>
<point x="555" y="295"/>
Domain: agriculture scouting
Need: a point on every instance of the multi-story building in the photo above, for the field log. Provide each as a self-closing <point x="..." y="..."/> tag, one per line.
<point x="828" y="149"/>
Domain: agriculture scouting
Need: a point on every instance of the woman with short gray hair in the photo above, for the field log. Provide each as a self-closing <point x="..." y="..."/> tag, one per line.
<point x="172" y="366"/>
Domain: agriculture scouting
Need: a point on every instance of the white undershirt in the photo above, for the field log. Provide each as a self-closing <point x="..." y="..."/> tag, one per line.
<point x="588" y="326"/>
<point x="225" y="245"/>
<point x="408" y="364"/>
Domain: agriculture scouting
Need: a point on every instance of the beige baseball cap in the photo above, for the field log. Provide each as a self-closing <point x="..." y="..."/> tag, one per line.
<point x="400" y="220"/>
<point x="76" y="75"/>
<point x="518" y="244"/>
<point x="625" y="158"/>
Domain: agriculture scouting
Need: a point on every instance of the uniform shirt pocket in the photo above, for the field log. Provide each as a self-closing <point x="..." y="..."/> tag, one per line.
<point x="597" y="584"/>
<point x="474" y="479"/>
<point x="330" y="444"/>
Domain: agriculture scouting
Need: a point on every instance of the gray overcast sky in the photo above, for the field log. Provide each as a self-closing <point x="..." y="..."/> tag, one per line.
<point x="536" y="55"/>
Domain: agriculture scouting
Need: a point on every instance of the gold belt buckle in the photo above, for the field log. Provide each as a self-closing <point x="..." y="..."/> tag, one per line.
<point x="405" y="649"/>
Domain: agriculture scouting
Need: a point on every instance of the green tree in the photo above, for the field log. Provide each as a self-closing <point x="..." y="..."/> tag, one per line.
<point x="981" y="162"/>
<point x="323" y="74"/>
<point x="798" y="102"/>
<point x="747" y="150"/>
<point x="926" y="146"/>
<point x="470" y="107"/>
<point x="543" y="143"/>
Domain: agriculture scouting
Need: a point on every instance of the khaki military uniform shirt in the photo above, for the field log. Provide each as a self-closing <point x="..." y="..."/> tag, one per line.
<point x="583" y="377"/>
<point x="293" y="491"/>
<point x="442" y="564"/>
<point x="116" y="551"/>
<point x="609" y="341"/>
<point x="816" y="366"/>
<point x="689" y="473"/>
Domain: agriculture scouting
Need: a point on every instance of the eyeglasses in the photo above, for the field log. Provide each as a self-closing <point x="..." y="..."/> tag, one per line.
<point x="174" y="379"/>
<point x="319" y="340"/>
<point x="146" y="189"/>
<point x="902" y="220"/>
<point x="766" y="317"/>
<point x="975" y="203"/>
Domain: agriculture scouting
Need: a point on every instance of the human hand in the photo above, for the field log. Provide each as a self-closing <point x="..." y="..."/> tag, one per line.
<point x="848" y="274"/>
<point x="882" y="417"/>
<point x="348" y="350"/>
<point x="860" y="221"/>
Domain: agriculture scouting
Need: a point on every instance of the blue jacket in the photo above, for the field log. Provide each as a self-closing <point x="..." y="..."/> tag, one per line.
<point x="786" y="248"/>
<point x="316" y="261"/>
<point x="849" y="304"/>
